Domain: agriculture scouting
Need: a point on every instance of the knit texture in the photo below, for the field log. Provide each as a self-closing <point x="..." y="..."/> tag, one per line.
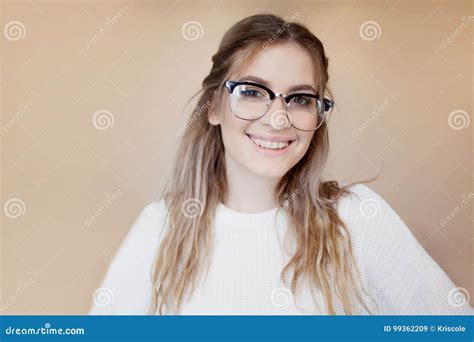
<point x="249" y="254"/>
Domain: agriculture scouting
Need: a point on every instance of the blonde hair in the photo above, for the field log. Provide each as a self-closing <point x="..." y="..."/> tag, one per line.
<point x="323" y="254"/>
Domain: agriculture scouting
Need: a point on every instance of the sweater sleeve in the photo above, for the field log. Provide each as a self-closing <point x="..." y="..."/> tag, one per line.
<point x="126" y="287"/>
<point x="398" y="273"/>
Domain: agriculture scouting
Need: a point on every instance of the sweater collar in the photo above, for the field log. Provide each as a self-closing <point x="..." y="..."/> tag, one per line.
<point x="224" y="211"/>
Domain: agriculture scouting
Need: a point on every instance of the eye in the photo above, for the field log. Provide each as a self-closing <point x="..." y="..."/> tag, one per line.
<point x="302" y="100"/>
<point x="250" y="92"/>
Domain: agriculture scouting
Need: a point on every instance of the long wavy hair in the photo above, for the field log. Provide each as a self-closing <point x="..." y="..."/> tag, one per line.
<point x="323" y="254"/>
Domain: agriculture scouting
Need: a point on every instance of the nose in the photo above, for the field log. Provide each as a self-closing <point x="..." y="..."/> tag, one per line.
<point x="276" y="115"/>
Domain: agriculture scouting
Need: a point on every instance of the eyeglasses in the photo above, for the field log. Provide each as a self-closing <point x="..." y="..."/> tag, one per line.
<point x="250" y="101"/>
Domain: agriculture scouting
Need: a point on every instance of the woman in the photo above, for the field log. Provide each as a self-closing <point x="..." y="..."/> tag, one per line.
<point x="247" y="225"/>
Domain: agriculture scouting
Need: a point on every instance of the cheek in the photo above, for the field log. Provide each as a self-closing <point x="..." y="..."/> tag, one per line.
<point x="304" y="140"/>
<point x="233" y="132"/>
<point x="300" y="150"/>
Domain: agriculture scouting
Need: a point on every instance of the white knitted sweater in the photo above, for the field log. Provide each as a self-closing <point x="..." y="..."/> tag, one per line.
<point x="247" y="259"/>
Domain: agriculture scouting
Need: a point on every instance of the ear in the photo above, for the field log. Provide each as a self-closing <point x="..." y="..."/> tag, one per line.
<point x="213" y="117"/>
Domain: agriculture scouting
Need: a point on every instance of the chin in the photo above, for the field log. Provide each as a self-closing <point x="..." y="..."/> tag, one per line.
<point x="268" y="172"/>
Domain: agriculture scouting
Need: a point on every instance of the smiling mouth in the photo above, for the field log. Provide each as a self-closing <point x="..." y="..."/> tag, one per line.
<point x="270" y="145"/>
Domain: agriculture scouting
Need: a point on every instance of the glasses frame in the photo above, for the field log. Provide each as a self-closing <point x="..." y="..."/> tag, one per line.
<point x="322" y="106"/>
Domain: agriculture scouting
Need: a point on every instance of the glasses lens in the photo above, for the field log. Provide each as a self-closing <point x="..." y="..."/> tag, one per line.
<point x="249" y="102"/>
<point x="305" y="113"/>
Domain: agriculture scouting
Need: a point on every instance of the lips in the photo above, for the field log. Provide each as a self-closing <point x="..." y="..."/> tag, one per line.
<point x="270" y="138"/>
<point x="275" y="147"/>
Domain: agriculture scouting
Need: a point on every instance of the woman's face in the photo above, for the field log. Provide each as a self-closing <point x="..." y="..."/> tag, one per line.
<point x="282" y="68"/>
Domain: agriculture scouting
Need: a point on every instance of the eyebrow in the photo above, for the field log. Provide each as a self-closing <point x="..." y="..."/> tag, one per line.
<point x="265" y="83"/>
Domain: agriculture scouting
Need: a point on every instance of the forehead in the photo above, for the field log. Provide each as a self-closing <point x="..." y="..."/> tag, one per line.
<point x="282" y="66"/>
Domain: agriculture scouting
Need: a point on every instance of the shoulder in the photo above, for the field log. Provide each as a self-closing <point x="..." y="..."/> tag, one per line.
<point x="145" y="232"/>
<point x="152" y="216"/>
<point x="364" y="205"/>
<point x="375" y="227"/>
<point x="153" y="210"/>
<point x="381" y="239"/>
<point x="127" y="278"/>
<point x="359" y="193"/>
<point x="401" y="275"/>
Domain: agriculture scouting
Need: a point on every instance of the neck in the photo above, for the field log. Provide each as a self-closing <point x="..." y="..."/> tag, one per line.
<point x="247" y="191"/>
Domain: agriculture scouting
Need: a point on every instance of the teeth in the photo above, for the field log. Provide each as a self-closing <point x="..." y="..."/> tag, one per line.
<point x="270" y="144"/>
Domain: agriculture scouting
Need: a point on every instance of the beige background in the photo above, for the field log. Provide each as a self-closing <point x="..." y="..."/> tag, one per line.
<point x="407" y="91"/>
